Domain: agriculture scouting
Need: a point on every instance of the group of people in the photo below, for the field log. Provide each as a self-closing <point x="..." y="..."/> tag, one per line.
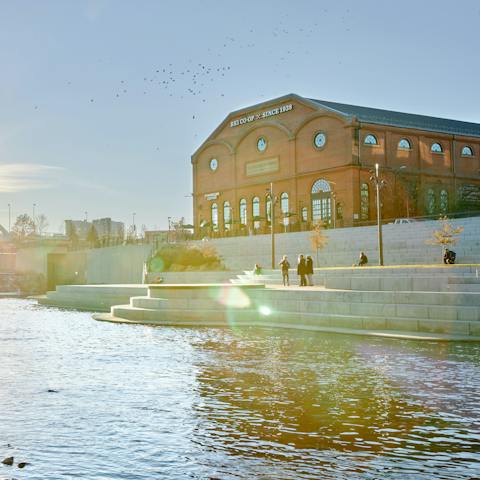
<point x="304" y="270"/>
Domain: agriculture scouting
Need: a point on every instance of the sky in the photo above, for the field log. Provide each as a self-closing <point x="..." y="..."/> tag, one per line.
<point x="102" y="102"/>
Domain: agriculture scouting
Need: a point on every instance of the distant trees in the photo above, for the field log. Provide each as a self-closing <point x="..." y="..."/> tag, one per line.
<point x="41" y="224"/>
<point x="23" y="228"/>
<point x="92" y="236"/>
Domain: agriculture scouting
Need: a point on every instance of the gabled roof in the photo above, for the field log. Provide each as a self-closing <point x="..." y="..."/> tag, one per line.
<point x="403" y="120"/>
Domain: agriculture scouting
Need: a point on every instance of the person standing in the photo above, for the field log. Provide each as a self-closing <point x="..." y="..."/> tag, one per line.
<point x="309" y="270"/>
<point x="302" y="270"/>
<point x="285" y="266"/>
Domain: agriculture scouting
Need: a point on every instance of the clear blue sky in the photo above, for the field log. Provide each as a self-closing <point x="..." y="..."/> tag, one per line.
<point x="89" y="120"/>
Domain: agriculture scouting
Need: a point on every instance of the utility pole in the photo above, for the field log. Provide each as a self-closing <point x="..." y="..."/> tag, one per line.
<point x="9" y="217"/>
<point x="378" y="185"/>
<point x="273" y="200"/>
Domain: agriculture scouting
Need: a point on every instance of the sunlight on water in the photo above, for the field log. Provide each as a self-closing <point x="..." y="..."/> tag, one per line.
<point x="137" y="402"/>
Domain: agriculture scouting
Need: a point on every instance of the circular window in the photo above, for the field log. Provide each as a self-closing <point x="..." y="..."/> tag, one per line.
<point x="213" y="164"/>
<point x="261" y="144"/>
<point x="319" y="140"/>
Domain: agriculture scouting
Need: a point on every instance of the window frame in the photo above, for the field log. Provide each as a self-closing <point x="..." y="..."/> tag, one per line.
<point x="467" y="155"/>
<point x="405" y="149"/>
<point x="369" y="144"/>
<point x="434" y="151"/>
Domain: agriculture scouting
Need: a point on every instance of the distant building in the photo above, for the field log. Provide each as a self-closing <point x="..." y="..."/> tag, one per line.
<point x="106" y="228"/>
<point x="157" y="236"/>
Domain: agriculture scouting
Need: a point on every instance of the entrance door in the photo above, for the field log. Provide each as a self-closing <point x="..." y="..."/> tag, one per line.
<point x="321" y="196"/>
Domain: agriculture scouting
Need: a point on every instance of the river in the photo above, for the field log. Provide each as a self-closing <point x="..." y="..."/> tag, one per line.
<point x="84" y="399"/>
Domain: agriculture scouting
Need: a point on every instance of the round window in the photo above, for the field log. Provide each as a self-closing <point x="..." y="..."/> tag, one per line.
<point x="213" y="164"/>
<point x="261" y="144"/>
<point x="319" y="140"/>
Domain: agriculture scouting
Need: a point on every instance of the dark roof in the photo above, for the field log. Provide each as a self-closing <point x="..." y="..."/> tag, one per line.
<point x="404" y="120"/>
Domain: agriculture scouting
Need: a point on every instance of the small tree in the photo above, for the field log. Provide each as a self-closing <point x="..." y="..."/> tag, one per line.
<point x="318" y="239"/>
<point x="446" y="235"/>
<point x="42" y="224"/>
<point x="72" y="235"/>
<point x="23" y="227"/>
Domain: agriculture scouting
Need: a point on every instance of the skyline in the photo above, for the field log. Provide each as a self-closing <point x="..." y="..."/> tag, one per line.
<point x="90" y="121"/>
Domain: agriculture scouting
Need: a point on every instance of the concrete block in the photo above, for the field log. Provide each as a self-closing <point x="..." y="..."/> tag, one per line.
<point x="412" y="311"/>
<point x="365" y="283"/>
<point x="378" y="297"/>
<point x="374" y="323"/>
<point x="375" y="309"/>
<point x="407" y="324"/>
<point x="474" y="328"/>
<point x="444" y="312"/>
<point x="444" y="326"/>
<point x="337" y="308"/>
<point x="396" y="284"/>
<point x="346" y="322"/>
<point x="313" y="320"/>
<point x="468" y="314"/>
<point x="338" y="282"/>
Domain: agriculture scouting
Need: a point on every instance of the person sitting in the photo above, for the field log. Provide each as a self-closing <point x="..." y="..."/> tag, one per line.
<point x="449" y="257"/>
<point x="257" y="269"/>
<point x="363" y="260"/>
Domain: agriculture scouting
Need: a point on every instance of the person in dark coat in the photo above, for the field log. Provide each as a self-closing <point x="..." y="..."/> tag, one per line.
<point x="285" y="266"/>
<point x="309" y="270"/>
<point x="363" y="260"/>
<point x="302" y="270"/>
<point x="449" y="257"/>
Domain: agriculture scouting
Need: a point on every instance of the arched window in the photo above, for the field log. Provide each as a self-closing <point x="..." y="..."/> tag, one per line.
<point x="430" y="204"/>
<point x="436" y="148"/>
<point x="321" y="201"/>
<point x="370" y="140"/>
<point x="256" y="212"/>
<point x="443" y="201"/>
<point x="467" y="151"/>
<point x="227" y="215"/>
<point x="243" y="212"/>
<point x="404" y="144"/>
<point x="284" y="207"/>
<point x="214" y="209"/>
<point x="364" y="201"/>
<point x="304" y="214"/>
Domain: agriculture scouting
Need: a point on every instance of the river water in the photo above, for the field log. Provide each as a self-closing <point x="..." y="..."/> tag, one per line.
<point x="136" y="402"/>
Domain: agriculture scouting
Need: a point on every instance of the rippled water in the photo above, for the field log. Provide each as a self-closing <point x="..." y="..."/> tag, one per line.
<point x="139" y="402"/>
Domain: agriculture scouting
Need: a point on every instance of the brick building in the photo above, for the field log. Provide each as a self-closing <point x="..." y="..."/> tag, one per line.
<point x="319" y="155"/>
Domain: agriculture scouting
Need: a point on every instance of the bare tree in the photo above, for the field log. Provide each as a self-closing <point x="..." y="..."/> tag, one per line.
<point x="318" y="239"/>
<point x="23" y="227"/>
<point x="41" y="224"/>
<point x="446" y="236"/>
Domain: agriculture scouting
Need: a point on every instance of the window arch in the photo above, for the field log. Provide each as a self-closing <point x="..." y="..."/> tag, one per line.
<point x="436" y="148"/>
<point x="243" y="211"/>
<point x="404" y="144"/>
<point x="430" y="204"/>
<point x="370" y="140"/>
<point x="227" y="215"/>
<point x="467" y="151"/>
<point x="214" y="210"/>
<point x="284" y="203"/>
<point x="321" y="201"/>
<point x="321" y="185"/>
<point x="364" y="201"/>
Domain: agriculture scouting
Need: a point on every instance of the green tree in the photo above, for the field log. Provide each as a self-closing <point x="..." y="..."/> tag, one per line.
<point x="23" y="227"/>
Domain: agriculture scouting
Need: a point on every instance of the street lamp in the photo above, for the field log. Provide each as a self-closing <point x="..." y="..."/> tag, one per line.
<point x="169" y="227"/>
<point x="273" y="201"/>
<point x="379" y="184"/>
<point x="33" y="218"/>
<point x="9" y="217"/>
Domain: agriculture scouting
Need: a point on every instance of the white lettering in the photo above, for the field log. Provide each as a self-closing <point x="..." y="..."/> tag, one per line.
<point x="262" y="115"/>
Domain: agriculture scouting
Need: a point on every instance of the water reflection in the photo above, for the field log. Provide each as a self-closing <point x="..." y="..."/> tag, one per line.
<point x="137" y="402"/>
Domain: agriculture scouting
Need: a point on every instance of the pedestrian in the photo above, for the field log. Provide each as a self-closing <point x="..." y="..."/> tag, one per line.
<point x="449" y="257"/>
<point x="309" y="270"/>
<point x="257" y="269"/>
<point x="285" y="266"/>
<point x="302" y="270"/>
<point x="363" y="260"/>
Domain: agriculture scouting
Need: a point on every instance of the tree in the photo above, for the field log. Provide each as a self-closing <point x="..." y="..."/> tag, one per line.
<point x="23" y="227"/>
<point x="41" y="224"/>
<point x="318" y="239"/>
<point x="72" y="235"/>
<point x="446" y="235"/>
<point x="92" y="236"/>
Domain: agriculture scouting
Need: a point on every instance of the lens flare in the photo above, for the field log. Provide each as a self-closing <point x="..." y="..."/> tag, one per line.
<point x="264" y="310"/>
<point x="231" y="297"/>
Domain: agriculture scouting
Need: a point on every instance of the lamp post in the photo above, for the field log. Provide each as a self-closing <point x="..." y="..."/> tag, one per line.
<point x="9" y="217"/>
<point x="375" y="178"/>
<point x="33" y="218"/>
<point x="273" y="200"/>
<point x="169" y="226"/>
